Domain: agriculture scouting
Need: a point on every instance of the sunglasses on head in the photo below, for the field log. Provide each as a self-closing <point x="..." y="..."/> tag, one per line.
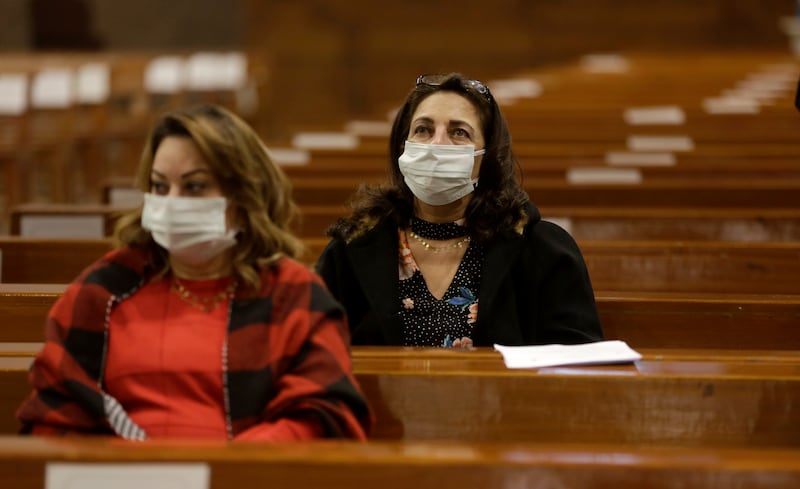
<point x="437" y="80"/>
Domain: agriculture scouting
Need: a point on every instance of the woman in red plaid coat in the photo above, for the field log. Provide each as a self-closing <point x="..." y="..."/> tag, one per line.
<point x="200" y="324"/>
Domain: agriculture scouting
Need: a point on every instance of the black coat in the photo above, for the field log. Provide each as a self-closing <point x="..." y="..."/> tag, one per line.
<point x="535" y="288"/>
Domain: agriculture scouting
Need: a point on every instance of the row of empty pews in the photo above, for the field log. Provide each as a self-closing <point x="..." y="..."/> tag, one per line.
<point x="679" y="176"/>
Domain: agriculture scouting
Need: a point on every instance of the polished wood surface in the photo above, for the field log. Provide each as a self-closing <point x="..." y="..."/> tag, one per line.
<point x="658" y="400"/>
<point x="423" y="465"/>
<point x="687" y="192"/>
<point x="583" y="223"/>
<point x="693" y="266"/>
<point x="642" y="319"/>
<point x="669" y="398"/>
<point x="654" y="266"/>
<point x="42" y="260"/>
<point x="701" y="320"/>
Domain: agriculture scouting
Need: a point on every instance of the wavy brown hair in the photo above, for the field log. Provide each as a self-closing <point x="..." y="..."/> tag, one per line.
<point x="253" y="184"/>
<point x="498" y="202"/>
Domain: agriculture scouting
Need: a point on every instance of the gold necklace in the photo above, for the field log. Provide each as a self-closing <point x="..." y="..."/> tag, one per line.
<point x="439" y="249"/>
<point x="205" y="304"/>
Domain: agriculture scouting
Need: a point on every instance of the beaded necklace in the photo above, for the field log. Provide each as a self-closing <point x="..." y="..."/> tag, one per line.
<point x="439" y="249"/>
<point x="422" y="231"/>
<point x="205" y="304"/>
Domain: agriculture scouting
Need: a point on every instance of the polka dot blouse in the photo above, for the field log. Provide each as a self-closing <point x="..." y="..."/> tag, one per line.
<point x="428" y="321"/>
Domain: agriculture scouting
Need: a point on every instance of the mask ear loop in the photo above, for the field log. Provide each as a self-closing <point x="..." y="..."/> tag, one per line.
<point x="477" y="153"/>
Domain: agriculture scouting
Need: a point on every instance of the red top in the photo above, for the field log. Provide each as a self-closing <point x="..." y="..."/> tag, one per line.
<point x="165" y="360"/>
<point x="164" y="379"/>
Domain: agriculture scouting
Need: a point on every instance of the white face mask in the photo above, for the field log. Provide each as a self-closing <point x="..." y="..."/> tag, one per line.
<point x="192" y="229"/>
<point x="439" y="174"/>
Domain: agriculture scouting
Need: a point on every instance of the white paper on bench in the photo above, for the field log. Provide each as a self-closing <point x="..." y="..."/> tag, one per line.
<point x="93" y="83"/>
<point x="790" y="25"/>
<point x="22" y="346"/>
<point x="125" y="197"/>
<point x="59" y="226"/>
<point x="605" y="63"/>
<point x="325" y="140"/>
<point x="52" y="89"/>
<point x="289" y="156"/>
<point x="164" y="74"/>
<point x="368" y="128"/>
<point x="731" y="105"/>
<point x="766" y="83"/>
<point x="764" y="96"/>
<point x="61" y="475"/>
<point x="13" y="94"/>
<point x="233" y="70"/>
<point x="216" y="71"/>
<point x="666" y="115"/>
<point x="630" y="176"/>
<point x="660" y="143"/>
<point x="508" y="90"/>
<point x="621" y="158"/>
<point x="597" y="353"/>
<point x="563" y="222"/>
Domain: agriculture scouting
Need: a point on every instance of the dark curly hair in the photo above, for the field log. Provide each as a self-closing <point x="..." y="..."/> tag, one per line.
<point x="498" y="203"/>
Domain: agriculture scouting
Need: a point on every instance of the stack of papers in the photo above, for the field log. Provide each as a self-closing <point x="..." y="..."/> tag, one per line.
<point x="598" y="353"/>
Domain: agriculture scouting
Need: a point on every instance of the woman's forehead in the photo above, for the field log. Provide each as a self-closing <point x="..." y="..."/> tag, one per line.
<point x="447" y="106"/>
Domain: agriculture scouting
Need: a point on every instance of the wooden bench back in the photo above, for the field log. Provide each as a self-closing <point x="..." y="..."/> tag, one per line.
<point x="699" y="398"/>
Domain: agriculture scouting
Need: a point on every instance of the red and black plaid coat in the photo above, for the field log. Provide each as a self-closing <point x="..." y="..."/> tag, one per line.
<point x="287" y="355"/>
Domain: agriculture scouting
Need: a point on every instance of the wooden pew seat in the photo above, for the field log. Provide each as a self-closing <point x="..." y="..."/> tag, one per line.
<point x="653" y="266"/>
<point x="423" y="465"/>
<point x="583" y="223"/>
<point x="776" y="193"/>
<point x="642" y="319"/>
<point x="669" y="398"/>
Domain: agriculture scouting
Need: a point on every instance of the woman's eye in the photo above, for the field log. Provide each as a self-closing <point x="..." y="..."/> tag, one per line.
<point x="159" y="188"/>
<point x="195" y="187"/>
<point x="461" y="133"/>
<point x="420" y="130"/>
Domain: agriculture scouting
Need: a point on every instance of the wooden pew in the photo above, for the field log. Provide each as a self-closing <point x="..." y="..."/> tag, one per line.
<point x="642" y="319"/>
<point x="658" y="400"/>
<point x="24" y="308"/>
<point x="699" y="266"/>
<point x="24" y="463"/>
<point x="669" y="398"/>
<point x="65" y="221"/>
<point x="673" y="192"/>
<point x="534" y="123"/>
<point x="584" y="223"/>
<point x="41" y="260"/>
<point x="653" y="266"/>
<point x="698" y="320"/>
<point x="605" y="223"/>
<point x="60" y="260"/>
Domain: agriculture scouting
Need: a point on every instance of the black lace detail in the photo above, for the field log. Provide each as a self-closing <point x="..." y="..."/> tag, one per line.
<point x="432" y="230"/>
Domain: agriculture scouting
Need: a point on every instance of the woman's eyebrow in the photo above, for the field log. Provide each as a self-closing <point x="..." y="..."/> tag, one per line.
<point x="184" y="176"/>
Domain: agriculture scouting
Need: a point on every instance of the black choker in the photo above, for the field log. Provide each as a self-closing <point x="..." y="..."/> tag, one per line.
<point x="432" y="230"/>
